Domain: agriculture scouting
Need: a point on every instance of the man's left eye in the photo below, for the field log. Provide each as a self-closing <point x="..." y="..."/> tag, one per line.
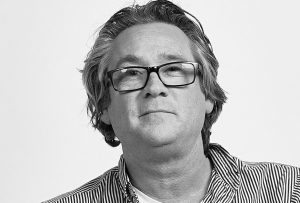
<point x="173" y="69"/>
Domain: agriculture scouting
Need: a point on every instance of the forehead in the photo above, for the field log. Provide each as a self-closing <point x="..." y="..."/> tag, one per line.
<point x="150" y="43"/>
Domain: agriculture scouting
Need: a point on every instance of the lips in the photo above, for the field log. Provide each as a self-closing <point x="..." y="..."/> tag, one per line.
<point x="156" y="111"/>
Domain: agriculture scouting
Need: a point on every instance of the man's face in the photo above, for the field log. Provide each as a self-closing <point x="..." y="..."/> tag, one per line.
<point x="156" y="115"/>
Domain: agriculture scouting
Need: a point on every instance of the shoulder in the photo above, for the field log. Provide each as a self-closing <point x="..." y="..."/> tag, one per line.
<point x="270" y="178"/>
<point x="90" y="191"/>
<point x="265" y="181"/>
<point x="267" y="168"/>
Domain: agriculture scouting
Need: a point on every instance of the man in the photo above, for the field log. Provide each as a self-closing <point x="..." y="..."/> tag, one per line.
<point x="151" y="85"/>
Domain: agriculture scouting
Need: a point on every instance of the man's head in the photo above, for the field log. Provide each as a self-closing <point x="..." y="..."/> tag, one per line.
<point x="156" y="33"/>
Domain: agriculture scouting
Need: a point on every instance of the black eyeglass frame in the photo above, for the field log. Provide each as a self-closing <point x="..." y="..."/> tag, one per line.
<point x="155" y="69"/>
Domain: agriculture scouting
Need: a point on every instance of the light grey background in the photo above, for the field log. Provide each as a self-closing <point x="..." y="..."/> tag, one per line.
<point x="47" y="145"/>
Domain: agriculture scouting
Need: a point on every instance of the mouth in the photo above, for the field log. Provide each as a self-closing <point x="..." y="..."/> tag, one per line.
<point x="155" y="111"/>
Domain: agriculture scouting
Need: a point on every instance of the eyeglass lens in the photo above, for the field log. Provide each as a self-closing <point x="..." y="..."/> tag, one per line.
<point x="171" y="74"/>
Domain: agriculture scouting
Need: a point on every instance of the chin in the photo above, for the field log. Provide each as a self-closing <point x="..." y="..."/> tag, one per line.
<point x="157" y="138"/>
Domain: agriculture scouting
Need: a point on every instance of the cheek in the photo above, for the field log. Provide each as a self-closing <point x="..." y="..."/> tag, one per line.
<point x="117" y="118"/>
<point x="195" y="104"/>
<point x="122" y="113"/>
<point x="121" y="110"/>
<point x="116" y="110"/>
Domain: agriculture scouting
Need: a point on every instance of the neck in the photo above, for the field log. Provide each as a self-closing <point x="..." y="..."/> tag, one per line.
<point x="166" y="174"/>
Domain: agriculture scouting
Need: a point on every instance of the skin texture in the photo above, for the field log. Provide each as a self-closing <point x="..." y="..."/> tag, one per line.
<point x="160" y="127"/>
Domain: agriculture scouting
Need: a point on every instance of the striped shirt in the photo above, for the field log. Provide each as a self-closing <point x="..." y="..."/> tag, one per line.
<point x="232" y="180"/>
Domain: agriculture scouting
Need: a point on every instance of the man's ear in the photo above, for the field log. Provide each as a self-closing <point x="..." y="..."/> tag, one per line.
<point x="209" y="105"/>
<point x="105" y="117"/>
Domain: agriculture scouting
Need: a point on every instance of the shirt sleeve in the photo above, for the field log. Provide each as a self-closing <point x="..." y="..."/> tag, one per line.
<point x="296" y="190"/>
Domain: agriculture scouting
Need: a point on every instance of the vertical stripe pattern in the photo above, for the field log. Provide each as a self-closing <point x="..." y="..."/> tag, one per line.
<point x="232" y="180"/>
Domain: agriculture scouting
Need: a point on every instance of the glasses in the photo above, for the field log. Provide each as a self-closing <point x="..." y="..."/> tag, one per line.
<point x="174" y="74"/>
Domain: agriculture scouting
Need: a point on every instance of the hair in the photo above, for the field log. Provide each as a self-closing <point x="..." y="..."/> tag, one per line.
<point x="97" y="61"/>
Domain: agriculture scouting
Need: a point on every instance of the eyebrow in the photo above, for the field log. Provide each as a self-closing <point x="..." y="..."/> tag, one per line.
<point x="170" y="57"/>
<point x="129" y="58"/>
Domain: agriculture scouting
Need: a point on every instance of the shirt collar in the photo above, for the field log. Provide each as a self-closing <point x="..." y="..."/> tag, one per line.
<point x="123" y="177"/>
<point x="225" y="165"/>
<point x="126" y="186"/>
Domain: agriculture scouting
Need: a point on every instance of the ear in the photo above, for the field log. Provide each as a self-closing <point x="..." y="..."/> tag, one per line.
<point x="105" y="117"/>
<point x="209" y="105"/>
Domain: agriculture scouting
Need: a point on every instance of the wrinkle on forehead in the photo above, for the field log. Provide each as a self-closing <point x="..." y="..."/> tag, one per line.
<point x="130" y="58"/>
<point x="148" y="42"/>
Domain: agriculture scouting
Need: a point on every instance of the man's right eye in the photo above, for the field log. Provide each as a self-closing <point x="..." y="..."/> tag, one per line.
<point x="131" y="72"/>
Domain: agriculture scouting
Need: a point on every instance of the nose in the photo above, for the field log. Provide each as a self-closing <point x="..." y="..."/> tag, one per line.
<point x="155" y="87"/>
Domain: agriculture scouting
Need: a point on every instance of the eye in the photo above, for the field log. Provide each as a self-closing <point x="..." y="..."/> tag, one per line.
<point x="131" y="72"/>
<point x="173" y="68"/>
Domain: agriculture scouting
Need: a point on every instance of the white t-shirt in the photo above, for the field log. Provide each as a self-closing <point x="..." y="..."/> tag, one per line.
<point x="143" y="198"/>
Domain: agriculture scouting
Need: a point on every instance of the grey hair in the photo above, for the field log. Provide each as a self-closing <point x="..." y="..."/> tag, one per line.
<point x="96" y="64"/>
